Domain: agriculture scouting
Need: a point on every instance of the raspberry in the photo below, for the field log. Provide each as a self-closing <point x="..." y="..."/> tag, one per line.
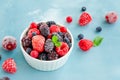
<point x="9" y="66"/>
<point x="52" y="56"/>
<point x="49" y="23"/>
<point x="49" y="45"/>
<point x="54" y="28"/>
<point x="38" y="42"/>
<point x="44" y="29"/>
<point x="9" y="43"/>
<point x="26" y="41"/>
<point x="85" y="44"/>
<point x="63" y="29"/>
<point x="84" y="19"/>
<point x="69" y="19"/>
<point x="43" y="56"/>
<point x="34" y="54"/>
<point x="63" y="49"/>
<point x="111" y="17"/>
<point x="31" y="31"/>
<point x="33" y="25"/>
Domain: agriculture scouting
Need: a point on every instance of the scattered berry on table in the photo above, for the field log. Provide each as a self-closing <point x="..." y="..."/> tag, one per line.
<point x="43" y="56"/>
<point x="38" y="42"/>
<point x="34" y="54"/>
<point x="49" y="23"/>
<point x="49" y="46"/>
<point x="9" y="66"/>
<point x="85" y="44"/>
<point x="52" y="56"/>
<point x="111" y="17"/>
<point x="85" y="18"/>
<point x="54" y="28"/>
<point x="33" y="30"/>
<point x="80" y="36"/>
<point x="9" y="43"/>
<point x="28" y="50"/>
<point x="44" y="29"/>
<point x="98" y="29"/>
<point x="63" y="49"/>
<point x="68" y="19"/>
<point x="5" y="78"/>
<point x="63" y="29"/>
<point x="83" y="9"/>
<point x="33" y="25"/>
<point x="34" y="34"/>
<point x="26" y="41"/>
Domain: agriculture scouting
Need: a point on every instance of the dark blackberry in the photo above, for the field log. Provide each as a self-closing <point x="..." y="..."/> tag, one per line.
<point x="56" y="34"/>
<point x="43" y="56"/>
<point x="52" y="56"/>
<point x="44" y="29"/>
<point x="68" y="36"/>
<point x="6" y="78"/>
<point x="0" y="56"/>
<point x="83" y="9"/>
<point x="28" y="50"/>
<point x="49" y="23"/>
<point x="26" y="41"/>
<point x="49" y="45"/>
<point x="80" y="36"/>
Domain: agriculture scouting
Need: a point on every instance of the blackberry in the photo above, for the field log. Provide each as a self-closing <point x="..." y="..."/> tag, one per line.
<point x="83" y="9"/>
<point x="43" y="56"/>
<point x="68" y="36"/>
<point x="80" y="36"/>
<point x="52" y="56"/>
<point x="26" y="41"/>
<point x="56" y="34"/>
<point x="0" y="56"/>
<point x="49" y="23"/>
<point x="41" y="23"/>
<point x="44" y="29"/>
<point x="28" y="50"/>
<point x="49" y="45"/>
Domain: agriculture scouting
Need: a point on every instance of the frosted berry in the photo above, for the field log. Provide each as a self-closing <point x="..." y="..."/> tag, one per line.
<point x="43" y="56"/>
<point x="63" y="49"/>
<point x="26" y="41"/>
<point x="85" y="44"/>
<point x="111" y="17"/>
<point x="28" y="50"/>
<point x="85" y="18"/>
<point x="52" y="56"/>
<point x="38" y="42"/>
<point x="68" y="19"/>
<point x="9" y="66"/>
<point x="9" y="43"/>
<point x="34" y="54"/>
<point x="30" y="32"/>
<point x="63" y="29"/>
<point x="49" y="23"/>
<point x="5" y="78"/>
<point x="68" y="36"/>
<point x="83" y="9"/>
<point x="80" y="36"/>
<point x="54" y="28"/>
<point x="33" y="25"/>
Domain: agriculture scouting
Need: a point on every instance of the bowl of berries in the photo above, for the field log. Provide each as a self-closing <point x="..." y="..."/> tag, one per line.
<point x="46" y="45"/>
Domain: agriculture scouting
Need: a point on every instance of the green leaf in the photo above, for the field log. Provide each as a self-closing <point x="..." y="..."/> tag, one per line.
<point x="97" y="41"/>
<point x="58" y="44"/>
<point x="54" y="39"/>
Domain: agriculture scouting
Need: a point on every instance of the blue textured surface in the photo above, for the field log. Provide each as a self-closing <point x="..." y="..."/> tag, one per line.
<point x="100" y="63"/>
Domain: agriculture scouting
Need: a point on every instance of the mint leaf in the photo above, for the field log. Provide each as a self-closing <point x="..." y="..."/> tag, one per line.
<point x="97" y="41"/>
<point x="54" y="39"/>
<point x="58" y="44"/>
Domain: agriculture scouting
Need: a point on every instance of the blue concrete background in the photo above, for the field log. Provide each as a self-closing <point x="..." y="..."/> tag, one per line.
<point x="99" y="63"/>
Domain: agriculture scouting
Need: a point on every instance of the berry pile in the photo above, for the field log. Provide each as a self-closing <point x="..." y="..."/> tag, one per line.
<point x="47" y="41"/>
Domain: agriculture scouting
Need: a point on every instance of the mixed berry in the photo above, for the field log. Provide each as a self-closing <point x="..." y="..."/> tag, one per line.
<point x="47" y="41"/>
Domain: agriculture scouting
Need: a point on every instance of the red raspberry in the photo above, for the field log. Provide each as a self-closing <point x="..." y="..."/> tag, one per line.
<point x="54" y="28"/>
<point x="85" y="44"/>
<point x="34" y="54"/>
<point x="49" y="36"/>
<point x="69" y="19"/>
<point x="38" y="42"/>
<point x="63" y="29"/>
<point x="33" y="30"/>
<point x="9" y="66"/>
<point x="111" y="17"/>
<point x="63" y="49"/>
<point x="33" y="25"/>
<point x="84" y="19"/>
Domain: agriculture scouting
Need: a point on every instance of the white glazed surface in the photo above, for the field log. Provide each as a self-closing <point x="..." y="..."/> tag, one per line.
<point x="45" y="65"/>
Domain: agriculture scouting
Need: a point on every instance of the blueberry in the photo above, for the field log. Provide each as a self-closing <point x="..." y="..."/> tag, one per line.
<point x="0" y="57"/>
<point x="69" y="45"/>
<point x="60" y="33"/>
<point x="43" y="56"/>
<point x="28" y="50"/>
<point x="98" y="29"/>
<point x="80" y="36"/>
<point x="66" y="40"/>
<point x="83" y="8"/>
<point x="34" y="34"/>
<point x="49" y="23"/>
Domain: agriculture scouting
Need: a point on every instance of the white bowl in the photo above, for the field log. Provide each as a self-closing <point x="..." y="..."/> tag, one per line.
<point x="45" y="65"/>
